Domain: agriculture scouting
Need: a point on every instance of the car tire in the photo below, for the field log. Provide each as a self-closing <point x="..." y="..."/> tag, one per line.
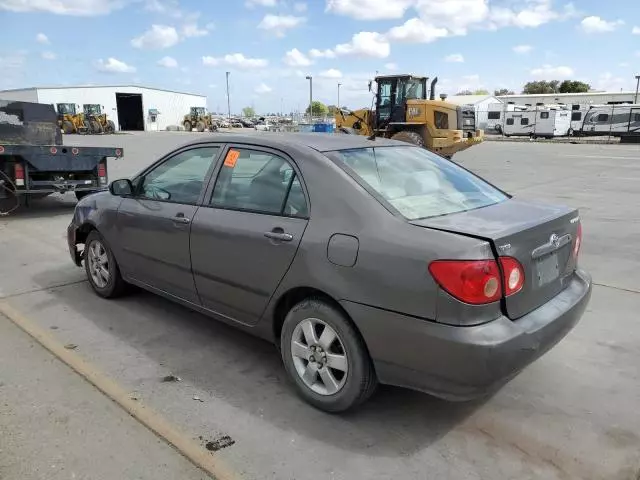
<point x="112" y="285"/>
<point x="351" y="380"/>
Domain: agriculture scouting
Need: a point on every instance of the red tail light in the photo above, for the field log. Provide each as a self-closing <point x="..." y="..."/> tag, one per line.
<point x="512" y="275"/>
<point x="18" y="173"/>
<point x="472" y="281"/>
<point x="102" y="170"/>
<point x="578" y="243"/>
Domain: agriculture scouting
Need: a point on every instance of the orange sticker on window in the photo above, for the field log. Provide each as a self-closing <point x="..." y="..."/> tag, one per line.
<point x="231" y="158"/>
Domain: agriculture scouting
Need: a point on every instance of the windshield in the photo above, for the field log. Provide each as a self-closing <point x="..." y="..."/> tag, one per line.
<point x="198" y="110"/>
<point x="66" y="108"/>
<point x="92" y="109"/>
<point x="417" y="183"/>
<point x="413" y="90"/>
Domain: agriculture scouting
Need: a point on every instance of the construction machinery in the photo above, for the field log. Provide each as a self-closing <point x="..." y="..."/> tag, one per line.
<point x="34" y="162"/>
<point x="404" y="111"/>
<point x="98" y="121"/>
<point x="71" y="122"/>
<point x="200" y="119"/>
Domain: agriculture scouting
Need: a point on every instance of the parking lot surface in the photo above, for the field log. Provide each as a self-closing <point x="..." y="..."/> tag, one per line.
<point x="571" y="415"/>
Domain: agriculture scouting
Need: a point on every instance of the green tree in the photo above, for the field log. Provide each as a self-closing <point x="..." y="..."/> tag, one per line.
<point x="248" y="112"/>
<point x="574" y="86"/>
<point x="481" y="91"/>
<point x="319" y="109"/>
<point x="541" y="86"/>
<point x="465" y="92"/>
<point x="503" y="91"/>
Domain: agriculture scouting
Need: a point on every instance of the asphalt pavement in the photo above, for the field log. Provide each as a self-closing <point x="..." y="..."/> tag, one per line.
<point x="571" y="415"/>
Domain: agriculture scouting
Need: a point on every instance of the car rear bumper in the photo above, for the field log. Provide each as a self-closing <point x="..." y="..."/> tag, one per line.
<point x="461" y="363"/>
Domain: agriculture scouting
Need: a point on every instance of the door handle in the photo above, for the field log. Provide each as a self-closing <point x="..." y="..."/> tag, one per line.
<point x="181" y="219"/>
<point x="281" y="236"/>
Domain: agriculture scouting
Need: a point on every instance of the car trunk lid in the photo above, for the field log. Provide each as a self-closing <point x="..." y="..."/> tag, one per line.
<point x="541" y="237"/>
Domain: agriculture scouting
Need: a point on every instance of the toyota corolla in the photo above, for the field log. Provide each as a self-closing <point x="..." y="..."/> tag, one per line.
<point x="363" y="261"/>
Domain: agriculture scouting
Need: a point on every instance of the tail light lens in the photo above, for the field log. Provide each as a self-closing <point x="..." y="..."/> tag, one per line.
<point x="512" y="275"/>
<point x="102" y="173"/>
<point x="578" y="242"/>
<point x="18" y="173"/>
<point x="472" y="281"/>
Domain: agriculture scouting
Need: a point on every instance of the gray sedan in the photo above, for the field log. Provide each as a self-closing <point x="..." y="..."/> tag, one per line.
<point x="364" y="261"/>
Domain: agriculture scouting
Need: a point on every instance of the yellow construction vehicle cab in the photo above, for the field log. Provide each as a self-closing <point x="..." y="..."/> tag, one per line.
<point x="403" y="111"/>
<point x="69" y="121"/>
<point x="98" y="121"/>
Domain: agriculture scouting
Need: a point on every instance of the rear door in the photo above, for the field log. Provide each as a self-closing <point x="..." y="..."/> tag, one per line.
<point x="541" y="237"/>
<point x="245" y="237"/>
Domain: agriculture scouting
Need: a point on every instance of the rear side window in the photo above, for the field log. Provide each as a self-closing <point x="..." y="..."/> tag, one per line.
<point x="524" y="121"/>
<point x="493" y="116"/>
<point x="576" y="116"/>
<point x="441" y="120"/>
<point x="603" y="117"/>
<point x="509" y="121"/>
<point x="418" y="183"/>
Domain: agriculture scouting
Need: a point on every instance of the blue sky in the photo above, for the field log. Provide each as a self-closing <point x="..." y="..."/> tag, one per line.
<point x="269" y="46"/>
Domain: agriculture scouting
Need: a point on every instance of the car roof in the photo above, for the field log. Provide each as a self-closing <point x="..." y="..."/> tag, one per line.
<point x="322" y="142"/>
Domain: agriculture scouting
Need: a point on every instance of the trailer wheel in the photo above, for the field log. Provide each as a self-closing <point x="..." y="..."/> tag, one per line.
<point x="67" y="127"/>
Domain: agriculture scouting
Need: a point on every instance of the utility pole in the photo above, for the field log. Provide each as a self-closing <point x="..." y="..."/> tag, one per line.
<point x="339" y="95"/>
<point x="310" y="78"/>
<point x="635" y="101"/>
<point x="228" y="99"/>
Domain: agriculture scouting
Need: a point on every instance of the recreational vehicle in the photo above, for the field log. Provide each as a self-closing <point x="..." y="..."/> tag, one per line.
<point x="614" y="120"/>
<point x="541" y="122"/>
<point x="496" y="115"/>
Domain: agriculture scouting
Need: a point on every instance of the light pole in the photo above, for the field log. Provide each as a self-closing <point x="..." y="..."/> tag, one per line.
<point x="310" y="78"/>
<point x="228" y="100"/>
<point x="637" y="85"/>
<point x="339" y="95"/>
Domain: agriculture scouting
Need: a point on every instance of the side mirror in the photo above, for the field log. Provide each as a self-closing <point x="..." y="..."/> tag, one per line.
<point x="121" y="188"/>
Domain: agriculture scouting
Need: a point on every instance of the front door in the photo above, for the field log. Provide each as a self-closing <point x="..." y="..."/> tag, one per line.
<point x="244" y="241"/>
<point x="634" y="121"/>
<point x="154" y="224"/>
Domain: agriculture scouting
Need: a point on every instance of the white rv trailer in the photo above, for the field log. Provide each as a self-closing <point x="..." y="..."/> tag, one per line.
<point x="496" y="114"/>
<point x="538" y="122"/>
<point x="614" y="120"/>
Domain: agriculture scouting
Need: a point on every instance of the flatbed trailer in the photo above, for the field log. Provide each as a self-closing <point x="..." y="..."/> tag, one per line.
<point x="34" y="163"/>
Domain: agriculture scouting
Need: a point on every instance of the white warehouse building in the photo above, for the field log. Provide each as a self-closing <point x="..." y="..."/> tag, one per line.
<point x="130" y="107"/>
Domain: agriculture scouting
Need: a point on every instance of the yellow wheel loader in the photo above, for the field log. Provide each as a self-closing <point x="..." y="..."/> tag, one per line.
<point x="403" y="111"/>
<point x="199" y="119"/>
<point x="98" y="121"/>
<point x="69" y="121"/>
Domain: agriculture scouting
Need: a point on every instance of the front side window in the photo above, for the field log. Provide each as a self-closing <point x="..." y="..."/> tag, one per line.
<point x="179" y="179"/>
<point x="259" y="181"/>
<point x="493" y="116"/>
<point x="510" y="121"/>
<point x="603" y="117"/>
<point x="441" y="120"/>
<point x="524" y="121"/>
<point x="417" y="183"/>
<point x="576" y="116"/>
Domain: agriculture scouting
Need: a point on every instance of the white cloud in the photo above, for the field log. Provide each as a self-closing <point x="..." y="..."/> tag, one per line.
<point x="594" y="24"/>
<point x="113" y="65"/>
<point x="85" y="8"/>
<point x="536" y="13"/>
<point x="522" y="49"/>
<point x="610" y="83"/>
<point x="454" y="15"/>
<point x="168" y="62"/>
<point x="160" y="36"/>
<point x="549" y="72"/>
<point x="331" y="73"/>
<point x="328" y="53"/>
<point x="263" y="88"/>
<point x="365" y="44"/>
<point x="48" y="56"/>
<point x="235" y="60"/>
<point x="279" y="24"/>
<point x="42" y="38"/>
<point x="416" y="31"/>
<point x="300" y="7"/>
<point x="635" y="30"/>
<point x="295" y="58"/>
<point x="193" y="30"/>
<point x="472" y="78"/>
<point x="261" y="3"/>
<point x="454" y="58"/>
<point x="391" y="67"/>
<point x="370" y="9"/>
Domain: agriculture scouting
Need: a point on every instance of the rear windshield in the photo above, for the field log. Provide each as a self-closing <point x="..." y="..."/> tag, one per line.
<point x="418" y="183"/>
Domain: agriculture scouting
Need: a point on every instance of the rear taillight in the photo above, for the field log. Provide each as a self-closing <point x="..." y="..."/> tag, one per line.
<point x="472" y="281"/>
<point x="102" y="173"/>
<point x="578" y="243"/>
<point x="512" y="275"/>
<point x="18" y="174"/>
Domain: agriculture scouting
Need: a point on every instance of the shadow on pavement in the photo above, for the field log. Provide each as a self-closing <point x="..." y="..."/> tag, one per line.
<point x="55" y="204"/>
<point x="247" y="373"/>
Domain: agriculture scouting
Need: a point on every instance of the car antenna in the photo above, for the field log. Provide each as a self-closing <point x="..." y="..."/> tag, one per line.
<point x="373" y="98"/>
